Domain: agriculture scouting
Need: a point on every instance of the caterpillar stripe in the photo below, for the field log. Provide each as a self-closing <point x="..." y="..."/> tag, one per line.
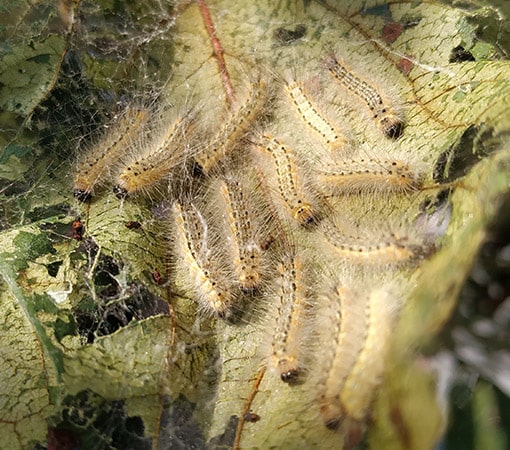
<point x="369" y="175"/>
<point x="94" y="166"/>
<point x="193" y="249"/>
<point x="383" y="112"/>
<point x="237" y="126"/>
<point x="292" y="303"/>
<point x="366" y="374"/>
<point x="245" y="249"/>
<point x="288" y="180"/>
<point x="311" y="116"/>
<point x="345" y="329"/>
<point x="153" y="160"/>
<point x="389" y="249"/>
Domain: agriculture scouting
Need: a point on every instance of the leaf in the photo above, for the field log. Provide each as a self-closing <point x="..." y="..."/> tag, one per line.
<point x="24" y="396"/>
<point x="108" y="347"/>
<point x="33" y="43"/>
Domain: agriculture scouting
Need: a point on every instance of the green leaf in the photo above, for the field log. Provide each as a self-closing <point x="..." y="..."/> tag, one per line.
<point x="24" y="395"/>
<point x="30" y="55"/>
<point x="89" y="335"/>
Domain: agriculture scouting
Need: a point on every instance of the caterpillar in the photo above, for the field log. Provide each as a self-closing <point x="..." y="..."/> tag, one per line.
<point x="344" y="327"/>
<point x="384" y="113"/>
<point x="153" y="159"/>
<point x="95" y="164"/>
<point x="288" y="179"/>
<point x="385" y="248"/>
<point x="292" y="303"/>
<point x="309" y="113"/>
<point x="366" y="373"/>
<point x="193" y="251"/>
<point x="368" y="175"/>
<point x="236" y="127"/>
<point x="244" y="241"/>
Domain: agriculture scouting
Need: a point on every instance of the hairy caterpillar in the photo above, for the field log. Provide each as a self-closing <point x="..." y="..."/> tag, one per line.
<point x="309" y="113"/>
<point x="383" y="110"/>
<point x="368" y="175"/>
<point x="366" y="373"/>
<point x="153" y="159"/>
<point x="96" y="163"/>
<point x="288" y="179"/>
<point x="244" y="239"/>
<point x="358" y="325"/>
<point x="292" y="303"/>
<point x="235" y="128"/>
<point x="385" y="248"/>
<point x="192" y="245"/>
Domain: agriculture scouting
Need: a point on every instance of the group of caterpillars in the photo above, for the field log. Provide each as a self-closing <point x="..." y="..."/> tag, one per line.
<point x="248" y="198"/>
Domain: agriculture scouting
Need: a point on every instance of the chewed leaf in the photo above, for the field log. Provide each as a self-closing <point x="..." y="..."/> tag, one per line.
<point x="356" y="152"/>
<point x="24" y="395"/>
<point x="30" y="57"/>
